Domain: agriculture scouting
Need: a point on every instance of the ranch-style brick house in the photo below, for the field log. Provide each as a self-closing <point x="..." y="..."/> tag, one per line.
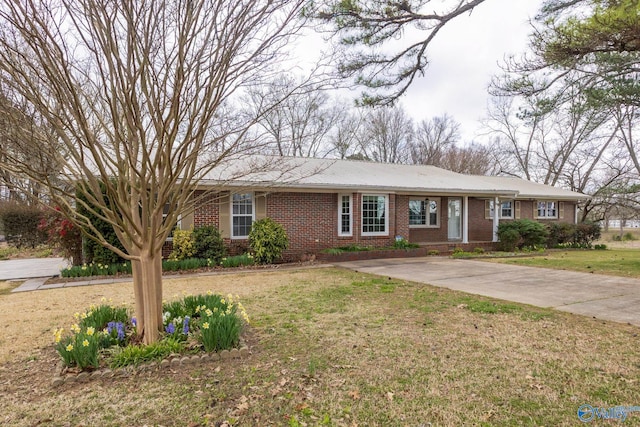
<point x="327" y="203"/>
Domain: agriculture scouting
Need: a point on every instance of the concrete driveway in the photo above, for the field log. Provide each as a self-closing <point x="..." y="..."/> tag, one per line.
<point x="603" y="297"/>
<point x="30" y="268"/>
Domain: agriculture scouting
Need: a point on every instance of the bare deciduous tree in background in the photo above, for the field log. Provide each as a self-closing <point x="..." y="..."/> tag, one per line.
<point x="386" y="135"/>
<point x="133" y="91"/>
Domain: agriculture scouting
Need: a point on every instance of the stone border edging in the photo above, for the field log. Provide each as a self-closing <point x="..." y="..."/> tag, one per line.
<point x="61" y="378"/>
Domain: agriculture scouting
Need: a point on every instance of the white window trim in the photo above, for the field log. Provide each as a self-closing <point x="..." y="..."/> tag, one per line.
<point x="500" y="216"/>
<point x="231" y="216"/>
<point x="513" y="208"/>
<point x="546" y="209"/>
<point x="340" y="232"/>
<point x="386" y="216"/>
<point x="438" y="207"/>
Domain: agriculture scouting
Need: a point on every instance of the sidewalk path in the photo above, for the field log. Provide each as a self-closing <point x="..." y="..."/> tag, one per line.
<point x="14" y="269"/>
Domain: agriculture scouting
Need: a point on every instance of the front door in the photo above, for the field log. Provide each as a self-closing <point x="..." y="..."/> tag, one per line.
<point x="455" y="218"/>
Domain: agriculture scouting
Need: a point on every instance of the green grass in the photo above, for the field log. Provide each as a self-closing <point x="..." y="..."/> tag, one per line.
<point x="616" y="262"/>
<point x="335" y="347"/>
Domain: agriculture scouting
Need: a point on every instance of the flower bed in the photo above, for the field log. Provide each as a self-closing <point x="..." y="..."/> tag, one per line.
<point x="188" y="264"/>
<point x="105" y="336"/>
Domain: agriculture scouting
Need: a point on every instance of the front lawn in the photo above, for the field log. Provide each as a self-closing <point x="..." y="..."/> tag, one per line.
<point x="615" y="262"/>
<point x="337" y="348"/>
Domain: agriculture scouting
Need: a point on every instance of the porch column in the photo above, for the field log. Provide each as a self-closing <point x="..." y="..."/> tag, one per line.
<point x="465" y="220"/>
<point x="496" y="218"/>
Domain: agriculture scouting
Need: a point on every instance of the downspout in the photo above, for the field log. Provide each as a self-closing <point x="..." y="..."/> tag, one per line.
<point x="496" y="218"/>
<point x="465" y="220"/>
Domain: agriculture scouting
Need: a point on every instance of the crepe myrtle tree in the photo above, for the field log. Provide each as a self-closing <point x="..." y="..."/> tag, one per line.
<point x="132" y="94"/>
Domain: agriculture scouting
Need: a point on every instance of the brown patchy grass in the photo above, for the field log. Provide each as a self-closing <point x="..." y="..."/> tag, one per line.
<point x="335" y="347"/>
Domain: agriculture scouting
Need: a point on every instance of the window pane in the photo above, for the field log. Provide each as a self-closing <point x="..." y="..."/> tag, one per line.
<point x="433" y="212"/>
<point x="506" y="211"/>
<point x="373" y="214"/>
<point x="417" y="212"/>
<point x="345" y="215"/>
<point x="242" y="214"/>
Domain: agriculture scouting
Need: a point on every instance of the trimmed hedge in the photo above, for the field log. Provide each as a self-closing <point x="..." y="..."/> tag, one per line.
<point x="20" y="223"/>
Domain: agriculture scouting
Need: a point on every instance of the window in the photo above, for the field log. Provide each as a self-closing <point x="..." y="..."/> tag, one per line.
<point x="241" y="215"/>
<point x="344" y="215"/>
<point x="424" y="212"/>
<point x="506" y="209"/>
<point x="374" y="215"/>
<point x="547" y="210"/>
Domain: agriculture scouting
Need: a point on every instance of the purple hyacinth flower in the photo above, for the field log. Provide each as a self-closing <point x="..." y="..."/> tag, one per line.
<point x="185" y="325"/>
<point x="134" y="322"/>
<point x="120" y="329"/>
<point x="170" y="328"/>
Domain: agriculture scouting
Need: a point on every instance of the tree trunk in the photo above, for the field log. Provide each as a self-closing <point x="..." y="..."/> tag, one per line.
<point x="147" y="284"/>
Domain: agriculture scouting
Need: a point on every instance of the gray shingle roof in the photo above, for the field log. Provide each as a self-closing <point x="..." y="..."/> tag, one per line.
<point x="297" y="173"/>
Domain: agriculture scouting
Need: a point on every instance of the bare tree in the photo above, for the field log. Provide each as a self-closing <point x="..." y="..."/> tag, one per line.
<point x="295" y="116"/>
<point x="344" y="138"/>
<point x="132" y="91"/>
<point x="432" y="138"/>
<point x="473" y="159"/>
<point x="387" y="135"/>
<point x="20" y="135"/>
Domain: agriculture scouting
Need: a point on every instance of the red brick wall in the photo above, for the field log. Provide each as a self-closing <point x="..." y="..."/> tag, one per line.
<point x="207" y="212"/>
<point x="480" y="228"/>
<point x="402" y="217"/>
<point x="311" y="222"/>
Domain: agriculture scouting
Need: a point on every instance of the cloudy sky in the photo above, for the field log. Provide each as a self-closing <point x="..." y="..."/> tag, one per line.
<point x="464" y="57"/>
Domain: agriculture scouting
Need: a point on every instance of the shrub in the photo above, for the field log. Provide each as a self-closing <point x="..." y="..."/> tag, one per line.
<point x="267" y="240"/>
<point x="93" y="251"/>
<point x="522" y="233"/>
<point x="62" y="234"/>
<point x="559" y="233"/>
<point x="20" y="222"/>
<point x="600" y="247"/>
<point x="586" y="233"/>
<point x="433" y="252"/>
<point x="478" y="250"/>
<point x="628" y="237"/>
<point x="208" y="244"/>
<point x="183" y="245"/>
